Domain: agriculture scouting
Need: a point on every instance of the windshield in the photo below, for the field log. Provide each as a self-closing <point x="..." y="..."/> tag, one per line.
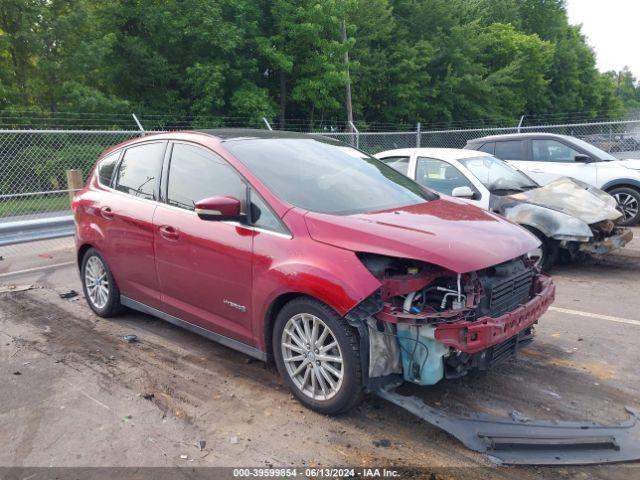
<point x="592" y="150"/>
<point x="326" y="178"/>
<point x="497" y="175"/>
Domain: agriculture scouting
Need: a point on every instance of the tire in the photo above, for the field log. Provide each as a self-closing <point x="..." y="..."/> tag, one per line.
<point x="548" y="252"/>
<point x="306" y="386"/>
<point x="106" y="303"/>
<point x="628" y="203"/>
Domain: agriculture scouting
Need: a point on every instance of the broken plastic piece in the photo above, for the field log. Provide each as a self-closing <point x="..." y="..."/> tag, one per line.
<point x="69" y="294"/>
<point x="130" y="338"/>
<point x="533" y="442"/>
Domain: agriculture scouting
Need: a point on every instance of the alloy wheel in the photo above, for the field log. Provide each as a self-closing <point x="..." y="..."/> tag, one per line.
<point x="312" y="356"/>
<point x="95" y="278"/>
<point x="627" y="204"/>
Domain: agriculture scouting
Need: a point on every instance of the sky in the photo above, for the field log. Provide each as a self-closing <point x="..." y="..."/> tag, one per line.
<point x="611" y="28"/>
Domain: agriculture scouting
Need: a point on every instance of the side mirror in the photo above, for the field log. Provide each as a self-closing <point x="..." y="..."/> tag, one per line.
<point x="583" y="158"/>
<point x="462" y="192"/>
<point x="219" y="209"/>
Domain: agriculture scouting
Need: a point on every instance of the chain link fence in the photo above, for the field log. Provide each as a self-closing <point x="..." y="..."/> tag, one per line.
<point x="621" y="139"/>
<point x="34" y="163"/>
<point x="34" y="191"/>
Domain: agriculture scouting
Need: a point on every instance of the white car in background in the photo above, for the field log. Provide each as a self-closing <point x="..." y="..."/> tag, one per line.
<point x="546" y="157"/>
<point x="566" y="214"/>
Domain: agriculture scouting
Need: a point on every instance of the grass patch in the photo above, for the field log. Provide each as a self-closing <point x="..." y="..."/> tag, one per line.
<point x="35" y="204"/>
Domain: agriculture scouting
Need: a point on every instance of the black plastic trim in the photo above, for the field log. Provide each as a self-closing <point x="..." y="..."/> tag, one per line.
<point x="216" y="337"/>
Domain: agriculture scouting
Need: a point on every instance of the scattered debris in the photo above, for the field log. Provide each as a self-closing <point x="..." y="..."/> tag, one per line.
<point x="131" y="338"/>
<point x="126" y="418"/>
<point x="17" y="373"/>
<point x="25" y="364"/>
<point x="233" y="440"/>
<point x="184" y="457"/>
<point x="383" y="442"/>
<point x="201" y="444"/>
<point x="519" y="417"/>
<point x="147" y="396"/>
<point x="69" y="294"/>
<point x="15" y="288"/>
<point x="1" y="258"/>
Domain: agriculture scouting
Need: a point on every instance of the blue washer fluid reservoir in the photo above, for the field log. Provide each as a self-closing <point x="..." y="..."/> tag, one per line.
<point x="421" y="354"/>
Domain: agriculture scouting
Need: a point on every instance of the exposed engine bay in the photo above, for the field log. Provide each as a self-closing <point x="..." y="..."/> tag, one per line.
<point x="435" y="323"/>
<point x="428" y="323"/>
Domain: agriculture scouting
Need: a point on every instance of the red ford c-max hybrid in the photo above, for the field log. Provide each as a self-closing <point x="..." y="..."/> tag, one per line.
<point x="306" y="251"/>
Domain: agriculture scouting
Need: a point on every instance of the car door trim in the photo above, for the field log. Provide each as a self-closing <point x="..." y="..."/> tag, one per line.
<point x="216" y="337"/>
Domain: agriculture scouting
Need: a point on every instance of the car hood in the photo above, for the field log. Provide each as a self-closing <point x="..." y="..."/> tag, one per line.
<point x="444" y="232"/>
<point x="571" y="197"/>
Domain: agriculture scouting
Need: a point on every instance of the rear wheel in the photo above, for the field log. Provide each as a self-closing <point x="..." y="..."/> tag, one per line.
<point x="546" y="255"/>
<point x="318" y="355"/>
<point x="100" y="289"/>
<point x="628" y="203"/>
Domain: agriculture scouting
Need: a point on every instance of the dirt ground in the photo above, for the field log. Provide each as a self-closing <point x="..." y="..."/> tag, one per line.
<point x="74" y="393"/>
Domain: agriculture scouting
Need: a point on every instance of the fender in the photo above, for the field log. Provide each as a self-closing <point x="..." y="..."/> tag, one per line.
<point x="341" y="284"/>
<point x="619" y="182"/>
<point x="550" y="222"/>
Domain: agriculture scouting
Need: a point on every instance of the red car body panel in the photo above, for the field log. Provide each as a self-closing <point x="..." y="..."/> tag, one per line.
<point x="452" y="234"/>
<point x="206" y="272"/>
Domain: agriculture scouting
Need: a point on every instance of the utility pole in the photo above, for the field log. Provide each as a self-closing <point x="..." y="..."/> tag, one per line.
<point x="348" y="103"/>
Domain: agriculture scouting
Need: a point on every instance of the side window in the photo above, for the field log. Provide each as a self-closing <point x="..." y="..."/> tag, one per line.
<point x="440" y="176"/>
<point x="106" y="167"/>
<point x="552" y="151"/>
<point x="401" y="164"/>
<point x="510" y="150"/>
<point x="263" y="216"/>
<point x="139" y="170"/>
<point x="196" y="173"/>
<point x="488" y="147"/>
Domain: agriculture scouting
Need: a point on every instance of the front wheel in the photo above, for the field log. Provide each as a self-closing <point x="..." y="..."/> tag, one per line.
<point x="318" y="355"/>
<point x="546" y="255"/>
<point x="628" y="203"/>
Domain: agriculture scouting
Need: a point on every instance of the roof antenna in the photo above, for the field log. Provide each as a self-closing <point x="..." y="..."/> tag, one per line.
<point x="266" y="122"/>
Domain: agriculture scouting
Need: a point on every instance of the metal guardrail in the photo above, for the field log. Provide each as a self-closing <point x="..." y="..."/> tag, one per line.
<point x="23" y="231"/>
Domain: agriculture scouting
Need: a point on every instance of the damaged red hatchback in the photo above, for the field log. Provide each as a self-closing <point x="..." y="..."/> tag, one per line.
<point x="300" y="249"/>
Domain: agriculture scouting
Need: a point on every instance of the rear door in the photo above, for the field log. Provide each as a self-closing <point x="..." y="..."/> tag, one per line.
<point x="552" y="159"/>
<point x="204" y="267"/>
<point x="514" y="152"/>
<point x="443" y="177"/>
<point x="400" y="163"/>
<point x="127" y="209"/>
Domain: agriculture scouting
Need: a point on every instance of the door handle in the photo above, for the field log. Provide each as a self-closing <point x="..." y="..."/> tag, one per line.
<point x="168" y="232"/>
<point x="106" y="213"/>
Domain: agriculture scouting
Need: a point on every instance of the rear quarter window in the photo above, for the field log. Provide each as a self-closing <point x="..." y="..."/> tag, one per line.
<point x="106" y="167"/>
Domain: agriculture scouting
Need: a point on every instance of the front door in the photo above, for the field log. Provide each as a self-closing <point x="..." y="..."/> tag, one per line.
<point x="551" y="159"/>
<point x="204" y="267"/>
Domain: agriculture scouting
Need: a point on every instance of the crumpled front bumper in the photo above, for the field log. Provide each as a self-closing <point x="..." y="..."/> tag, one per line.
<point x="472" y="337"/>
<point x="619" y="239"/>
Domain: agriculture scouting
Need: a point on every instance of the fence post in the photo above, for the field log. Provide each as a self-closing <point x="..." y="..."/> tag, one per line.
<point x="74" y="182"/>
<point x="418" y="135"/>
